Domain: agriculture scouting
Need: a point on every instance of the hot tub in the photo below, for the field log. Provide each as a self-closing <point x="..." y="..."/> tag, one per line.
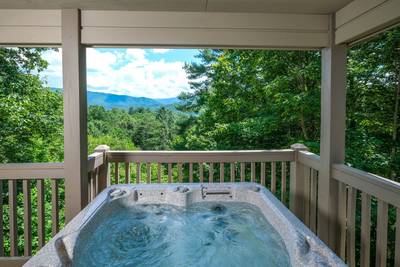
<point x="228" y="224"/>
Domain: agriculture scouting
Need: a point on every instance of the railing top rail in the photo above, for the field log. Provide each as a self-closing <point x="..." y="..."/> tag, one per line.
<point x="13" y="261"/>
<point x="201" y="156"/>
<point x="201" y="151"/>
<point x="95" y="160"/>
<point x="374" y="185"/>
<point x="31" y="170"/>
<point x="309" y="159"/>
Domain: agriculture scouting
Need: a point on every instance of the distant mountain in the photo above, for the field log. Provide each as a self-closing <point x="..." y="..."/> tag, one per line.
<point x="167" y="101"/>
<point x="110" y="101"/>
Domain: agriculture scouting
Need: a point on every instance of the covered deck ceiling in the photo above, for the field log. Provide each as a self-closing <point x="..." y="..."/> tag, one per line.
<point x="258" y="6"/>
<point x="284" y="24"/>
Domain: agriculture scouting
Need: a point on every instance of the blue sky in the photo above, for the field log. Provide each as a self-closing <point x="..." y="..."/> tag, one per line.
<point x="154" y="73"/>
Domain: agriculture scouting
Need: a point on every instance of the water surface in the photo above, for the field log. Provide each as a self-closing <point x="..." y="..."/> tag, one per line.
<point x="203" y="234"/>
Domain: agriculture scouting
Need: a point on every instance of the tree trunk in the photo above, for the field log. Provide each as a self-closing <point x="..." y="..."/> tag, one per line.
<point x="303" y="81"/>
<point x="395" y="126"/>
<point x="303" y="125"/>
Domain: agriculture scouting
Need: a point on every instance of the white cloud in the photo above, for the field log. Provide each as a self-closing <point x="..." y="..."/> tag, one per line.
<point x="127" y="72"/>
<point x="53" y="73"/>
<point x="96" y="60"/>
<point x="160" y="50"/>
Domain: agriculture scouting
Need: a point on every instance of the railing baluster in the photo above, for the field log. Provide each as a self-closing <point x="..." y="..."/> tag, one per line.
<point x="108" y="173"/>
<point x="307" y="184"/>
<point x="138" y="173"/>
<point x="96" y="182"/>
<point x="89" y="186"/>
<point x="148" y="165"/>
<point x="159" y="171"/>
<point x="201" y="172"/>
<point x="221" y="172"/>
<point x="253" y="171"/>
<point x="211" y="173"/>
<point x="116" y="172"/>
<point x="190" y="172"/>
<point x="397" y="242"/>
<point x="12" y="202"/>
<point x="180" y="175"/>
<point x="54" y="207"/>
<point x="365" y="228"/>
<point x="127" y="173"/>
<point x="96" y="177"/>
<point x="381" y="234"/>
<point x="40" y="211"/>
<point x="242" y="171"/>
<point x="283" y="182"/>
<point x="262" y="173"/>
<point x="27" y="218"/>
<point x="169" y="172"/>
<point x="313" y="200"/>
<point x="273" y="177"/>
<point x="351" y="225"/>
<point x="232" y="167"/>
<point x="342" y="206"/>
<point x="1" y="220"/>
<point x="92" y="185"/>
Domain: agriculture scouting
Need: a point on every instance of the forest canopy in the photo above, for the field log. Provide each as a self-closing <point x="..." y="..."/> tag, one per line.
<point x="248" y="99"/>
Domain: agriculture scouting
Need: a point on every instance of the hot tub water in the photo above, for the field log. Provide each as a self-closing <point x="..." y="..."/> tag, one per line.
<point x="202" y="234"/>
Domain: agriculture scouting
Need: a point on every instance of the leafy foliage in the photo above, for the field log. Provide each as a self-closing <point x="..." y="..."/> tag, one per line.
<point x="252" y="99"/>
<point x="31" y="118"/>
<point x="373" y="105"/>
<point x="137" y="128"/>
<point x="248" y="99"/>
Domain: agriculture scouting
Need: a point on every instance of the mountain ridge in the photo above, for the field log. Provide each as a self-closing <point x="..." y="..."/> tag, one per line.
<point x="110" y="101"/>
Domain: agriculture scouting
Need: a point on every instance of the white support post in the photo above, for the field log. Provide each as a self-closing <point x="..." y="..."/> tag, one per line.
<point x="75" y="114"/>
<point x="333" y="123"/>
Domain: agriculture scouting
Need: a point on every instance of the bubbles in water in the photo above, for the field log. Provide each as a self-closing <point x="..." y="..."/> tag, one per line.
<point x="218" y="208"/>
<point x="204" y="234"/>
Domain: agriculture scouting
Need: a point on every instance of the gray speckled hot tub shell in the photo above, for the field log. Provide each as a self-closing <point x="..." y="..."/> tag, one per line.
<point x="304" y="248"/>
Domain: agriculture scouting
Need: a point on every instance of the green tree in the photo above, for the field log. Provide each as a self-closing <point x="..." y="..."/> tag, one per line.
<point x="373" y="105"/>
<point x="31" y="118"/>
<point x="147" y="129"/>
<point x="247" y="99"/>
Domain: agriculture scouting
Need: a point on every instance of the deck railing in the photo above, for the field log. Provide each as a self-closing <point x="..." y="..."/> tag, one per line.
<point x="96" y="167"/>
<point x="367" y="230"/>
<point x="267" y="167"/>
<point x="366" y="202"/>
<point x="371" y="198"/>
<point x="23" y="190"/>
